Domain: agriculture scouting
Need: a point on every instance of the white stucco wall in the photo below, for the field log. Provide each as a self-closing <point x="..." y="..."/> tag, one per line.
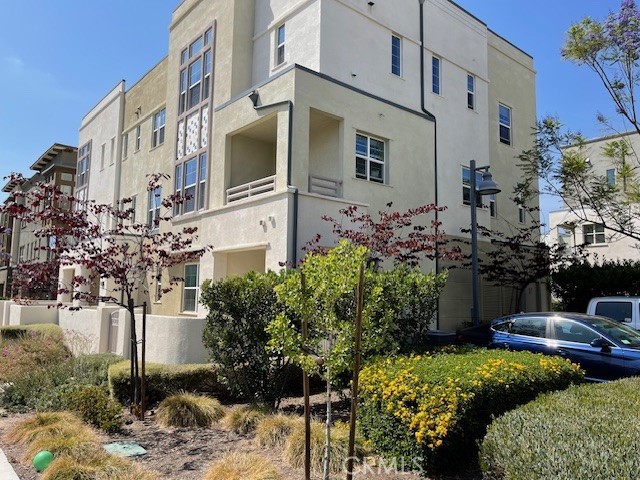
<point x="31" y="314"/>
<point x="87" y="330"/>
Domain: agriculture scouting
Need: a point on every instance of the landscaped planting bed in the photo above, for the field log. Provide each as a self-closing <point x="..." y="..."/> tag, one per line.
<point x="590" y="431"/>
<point x="431" y="410"/>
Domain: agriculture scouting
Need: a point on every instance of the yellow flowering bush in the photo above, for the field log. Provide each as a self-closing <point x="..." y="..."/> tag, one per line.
<point x="437" y="406"/>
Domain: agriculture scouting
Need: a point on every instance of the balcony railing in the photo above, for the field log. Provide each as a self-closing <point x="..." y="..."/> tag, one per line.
<point x="325" y="186"/>
<point x="251" y="189"/>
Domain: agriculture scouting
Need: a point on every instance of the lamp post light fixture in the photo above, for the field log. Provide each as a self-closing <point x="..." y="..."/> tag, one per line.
<point x="485" y="187"/>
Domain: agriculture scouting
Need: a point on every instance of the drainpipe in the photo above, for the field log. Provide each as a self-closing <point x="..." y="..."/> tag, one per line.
<point x="254" y="97"/>
<point x="435" y="141"/>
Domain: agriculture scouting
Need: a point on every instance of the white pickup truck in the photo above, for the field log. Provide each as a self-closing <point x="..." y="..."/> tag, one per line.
<point x="623" y="309"/>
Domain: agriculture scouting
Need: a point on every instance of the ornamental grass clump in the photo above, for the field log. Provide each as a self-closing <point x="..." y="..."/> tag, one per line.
<point x="432" y="410"/>
<point x="589" y="431"/>
<point x="189" y="410"/>
<point x="243" y="419"/>
<point x="243" y="466"/>
<point x="273" y="430"/>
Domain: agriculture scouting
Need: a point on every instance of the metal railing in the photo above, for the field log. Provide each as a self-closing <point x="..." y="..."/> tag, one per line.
<point x="251" y="189"/>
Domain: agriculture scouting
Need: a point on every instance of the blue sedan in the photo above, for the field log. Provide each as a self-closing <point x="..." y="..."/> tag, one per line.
<point x="604" y="348"/>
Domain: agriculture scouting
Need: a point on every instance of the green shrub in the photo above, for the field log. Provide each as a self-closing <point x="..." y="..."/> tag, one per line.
<point x="13" y="332"/>
<point x="189" y="410"/>
<point x="93" y="369"/>
<point x="94" y="405"/>
<point x="165" y="380"/>
<point x="437" y="407"/>
<point x="590" y="431"/>
<point x="240" y="308"/>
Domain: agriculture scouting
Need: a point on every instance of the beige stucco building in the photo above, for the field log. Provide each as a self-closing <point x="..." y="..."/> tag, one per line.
<point x="272" y="113"/>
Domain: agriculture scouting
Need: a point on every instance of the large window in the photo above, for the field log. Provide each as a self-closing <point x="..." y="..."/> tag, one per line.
<point x="504" y="120"/>
<point x="280" y="37"/>
<point x="370" y="158"/>
<point x="593" y="234"/>
<point x="396" y="55"/>
<point x="435" y="75"/>
<point x="190" y="291"/>
<point x="84" y="163"/>
<point x="159" y="120"/>
<point x="155" y="204"/>
<point x="190" y="182"/>
<point x="471" y="92"/>
<point x="196" y="63"/>
<point x="466" y="187"/>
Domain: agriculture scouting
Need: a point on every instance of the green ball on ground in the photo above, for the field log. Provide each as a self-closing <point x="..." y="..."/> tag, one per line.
<point x="42" y="460"/>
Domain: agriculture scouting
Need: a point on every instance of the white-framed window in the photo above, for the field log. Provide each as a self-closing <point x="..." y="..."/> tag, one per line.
<point x="504" y="122"/>
<point x="196" y="65"/>
<point x="125" y="145"/>
<point x="84" y="162"/>
<point x="593" y="234"/>
<point x="396" y="55"/>
<point x="280" y="39"/>
<point x="471" y="92"/>
<point x="137" y="147"/>
<point x="370" y="158"/>
<point x="191" y="288"/>
<point x="158" y="292"/>
<point x="159" y="120"/>
<point x="466" y="187"/>
<point x="611" y="177"/>
<point x="493" y="205"/>
<point x="155" y="204"/>
<point x="435" y="75"/>
<point x="190" y="182"/>
<point x="521" y="214"/>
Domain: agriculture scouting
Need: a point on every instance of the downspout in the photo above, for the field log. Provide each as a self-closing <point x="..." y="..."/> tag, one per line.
<point x="292" y="255"/>
<point x="435" y="143"/>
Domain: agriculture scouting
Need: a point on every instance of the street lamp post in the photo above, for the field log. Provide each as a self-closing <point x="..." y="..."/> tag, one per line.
<point x="486" y="187"/>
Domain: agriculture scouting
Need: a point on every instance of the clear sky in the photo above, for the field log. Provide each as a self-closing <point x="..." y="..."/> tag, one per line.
<point x="59" y="58"/>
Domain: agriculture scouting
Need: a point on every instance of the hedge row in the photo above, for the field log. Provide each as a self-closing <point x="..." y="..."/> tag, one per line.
<point x="590" y="431"/>
<point x="164" y="380"/>
<point x="432" y="410"/>
<point x="12" y="332"/>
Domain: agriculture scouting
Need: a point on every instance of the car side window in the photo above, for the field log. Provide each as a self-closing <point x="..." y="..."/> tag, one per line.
<point x="620" y="311"/>
<point x="529" y="326"/>
<point x="570" y="331"/>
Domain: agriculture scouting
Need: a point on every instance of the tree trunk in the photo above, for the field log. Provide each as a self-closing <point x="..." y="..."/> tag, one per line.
<point x="327" y="445"/>
<point x="134" y="371"/>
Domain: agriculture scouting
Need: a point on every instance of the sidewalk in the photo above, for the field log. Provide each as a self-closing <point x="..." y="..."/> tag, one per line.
<point x="6" y="470"/>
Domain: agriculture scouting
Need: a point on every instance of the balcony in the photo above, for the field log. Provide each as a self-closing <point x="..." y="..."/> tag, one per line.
<point x="251" y="189"/>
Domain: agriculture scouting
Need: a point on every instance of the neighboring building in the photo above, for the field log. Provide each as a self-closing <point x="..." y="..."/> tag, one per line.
<point x="272" y="113"/>
<point x="587" y="229"/>
<point x="56" y="166"/>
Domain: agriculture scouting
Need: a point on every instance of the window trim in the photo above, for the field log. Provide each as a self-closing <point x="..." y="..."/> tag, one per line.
<point x="611" y="177"/>
<point x="369" y="159"/>
<point x="471" y="91"/>
<point x="521" y="214"/>
<point x="138" y="138"/>
<point x="597" y="229"/>
<point x="280" y="49"/>
<point x="396" y="57"/>
<point x="82" y="176"/>
<point x="436" y="78"/>
<point x="195" y="288"/>
<point x="493" y="205"/>
<point x="154" y="207"/>
<point x="158" y="129"/>
<point x="508" y="127"/>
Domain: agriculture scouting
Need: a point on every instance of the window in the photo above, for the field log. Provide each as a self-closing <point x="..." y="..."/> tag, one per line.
<point x="190" y="292"/>
<point x="570" y="331"/>
<point x="611" y="177"/>
<point x="66" y="177"/>
<point x="195" y="81"/>
<point x="435" y="75"/>
<point x="280" y="35"/>
<point x="112" y="150"/>
<point x="396" y="50"/>
<point x="369" y="158"/>
<point x="137" y="138"/>
<point x="190" y="182"/>
<point x="125" y="145"/>
<point x="593" y="234"/>
<point x="504" y="120"/>
<point x="619" y="311"/>
<point x="155" y="203"/>
<point x="132" y="207"/>
<point x="103" y="148"/>
<point x="493" y="206"/>
<point x="196" y="65"/>
<point x="466" y="187"/>
<point x="521" y="212"/>
<point x="159" y="120"/>
<point x="84" y="161"/>
<point x="158" y="285"/>
<point x="471" y="92"/>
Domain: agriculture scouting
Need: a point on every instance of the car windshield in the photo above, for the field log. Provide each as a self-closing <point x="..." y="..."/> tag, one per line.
<point x="621" y="333"/>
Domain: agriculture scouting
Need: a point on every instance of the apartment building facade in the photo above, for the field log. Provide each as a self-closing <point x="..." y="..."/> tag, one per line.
<point x="573" y="228"/>
<point x="272" y="113"/>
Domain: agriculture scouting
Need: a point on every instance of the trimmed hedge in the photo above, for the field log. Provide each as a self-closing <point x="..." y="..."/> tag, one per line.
<point x="13" y="332"/>
<point x="590" y="431"/>
<point x="165" y="380"/>
<point x="432" y="410"/>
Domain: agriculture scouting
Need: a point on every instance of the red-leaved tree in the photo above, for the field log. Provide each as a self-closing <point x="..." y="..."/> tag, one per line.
<point x="107" y="244"/>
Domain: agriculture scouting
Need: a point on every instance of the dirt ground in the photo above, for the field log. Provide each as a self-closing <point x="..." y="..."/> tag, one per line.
<point x="186" y="454"/>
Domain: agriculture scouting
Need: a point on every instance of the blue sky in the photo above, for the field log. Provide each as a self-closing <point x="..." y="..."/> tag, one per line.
<point x="58" y="59"/>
